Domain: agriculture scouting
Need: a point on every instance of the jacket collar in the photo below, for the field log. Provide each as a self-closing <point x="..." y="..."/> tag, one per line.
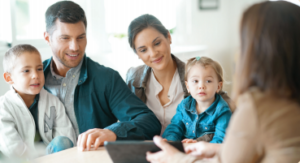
<point x="190" y="105"/>
<point x="142" y="83"/>
<point x="83" y="72"/>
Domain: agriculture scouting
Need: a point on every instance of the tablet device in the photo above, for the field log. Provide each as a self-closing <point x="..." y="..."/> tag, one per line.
<point x="133" y="151"/>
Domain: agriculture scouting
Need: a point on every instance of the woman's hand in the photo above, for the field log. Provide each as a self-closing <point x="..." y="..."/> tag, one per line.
<point x="166" y="153"/>
<point x="189" y="141"/>
<point x="203" y="149"/>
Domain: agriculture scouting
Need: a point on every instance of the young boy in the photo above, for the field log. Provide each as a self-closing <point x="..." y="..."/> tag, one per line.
<point x="29" y="114"/>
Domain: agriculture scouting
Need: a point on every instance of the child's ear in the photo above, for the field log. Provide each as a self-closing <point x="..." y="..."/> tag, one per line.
<point x="220" y="84"/>
<point x="187" y="86"/>
<point x="7" y="78"/>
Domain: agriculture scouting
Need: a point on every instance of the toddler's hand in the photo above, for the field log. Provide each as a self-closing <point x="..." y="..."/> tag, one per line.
<point x="189" y="141"/>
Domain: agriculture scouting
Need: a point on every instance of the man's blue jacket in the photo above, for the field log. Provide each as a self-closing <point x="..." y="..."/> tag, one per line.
<point x="102" y="98"/>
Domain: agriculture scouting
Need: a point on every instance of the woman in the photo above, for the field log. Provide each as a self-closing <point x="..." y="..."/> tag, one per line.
<point x="265" y="127"/>
<point x="160" y="82"/>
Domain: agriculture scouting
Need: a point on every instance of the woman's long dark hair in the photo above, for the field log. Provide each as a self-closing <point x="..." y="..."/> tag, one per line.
<point x="142" y="22"/>
<point x="270" y="50"/>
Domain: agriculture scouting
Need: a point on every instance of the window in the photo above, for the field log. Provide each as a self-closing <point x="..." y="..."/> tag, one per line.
<point x="5" y="28"/>
<point x="119" y="13"/>
<point x="28" y="20"/>
<point x="25" y="19"/>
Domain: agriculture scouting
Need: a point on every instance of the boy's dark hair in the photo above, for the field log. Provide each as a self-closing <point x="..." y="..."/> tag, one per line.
<point x="11" y="55"/>
<point x="142" y="22"/>
<point x="270" y="50"/>
<point x="65" y="11"/>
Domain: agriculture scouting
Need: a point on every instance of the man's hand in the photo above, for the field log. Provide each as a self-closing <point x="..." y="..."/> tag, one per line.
<point x="95" y="137"/>
<point x="203" y="149"/>
<point x="166" y="153"/>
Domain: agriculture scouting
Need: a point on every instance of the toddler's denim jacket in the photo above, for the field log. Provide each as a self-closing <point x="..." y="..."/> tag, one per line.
<point x="187" y="123"/>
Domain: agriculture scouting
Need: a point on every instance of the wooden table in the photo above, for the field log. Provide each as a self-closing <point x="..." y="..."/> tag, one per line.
<point x="74" y="156"/>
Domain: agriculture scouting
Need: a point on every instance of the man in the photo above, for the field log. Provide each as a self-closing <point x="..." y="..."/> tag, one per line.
<point x="95" y="96"/>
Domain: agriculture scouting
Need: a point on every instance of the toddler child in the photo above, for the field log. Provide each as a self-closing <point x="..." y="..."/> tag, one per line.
<point x="204" y="115"/>
<point x="29" y="115"/>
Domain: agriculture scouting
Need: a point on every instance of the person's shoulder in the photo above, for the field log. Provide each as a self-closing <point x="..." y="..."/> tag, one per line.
<point x="98" y="73"/>
<point x="8" y="96"/>
<point x="2" y="100"/>
<point x="134" y="73"/>
<point x="222" y="105"/>
<point x="186" y="102"/>
<point x="93" y="65"/>
<point x="95" y="69"/>
<point x="179" y="62"/>
<point x="6" y="104"/>
<point x="8" y="99"/>
<point x="258" y="102"/>
<point x="137" y="69"/>
<point x="251" y="97"/>
<point x="46" y="61"/>
<point x="187" y="99"/>
<point x="261" y="101"/>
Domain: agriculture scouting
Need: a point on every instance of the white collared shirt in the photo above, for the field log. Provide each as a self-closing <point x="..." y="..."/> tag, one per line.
<point x="164" y="113"/>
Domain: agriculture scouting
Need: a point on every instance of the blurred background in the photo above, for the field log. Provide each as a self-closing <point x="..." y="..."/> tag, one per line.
<point x="198" y="28"/>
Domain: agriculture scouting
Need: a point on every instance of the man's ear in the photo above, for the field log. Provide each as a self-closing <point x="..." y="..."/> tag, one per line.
<point x="187" y="86"/>
<point x="47" y="37"/>
<point x="7" y="78"/>
<point x="220" y="84"/>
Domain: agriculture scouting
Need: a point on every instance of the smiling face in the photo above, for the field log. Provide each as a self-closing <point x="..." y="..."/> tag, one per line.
<point x="203" y="83"/>
<point x="153" y="48"/>
<point x="68" y="42"/>
<point x="27" y="76"/>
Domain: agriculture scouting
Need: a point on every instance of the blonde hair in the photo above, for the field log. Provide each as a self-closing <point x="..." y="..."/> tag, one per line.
<point x="205" y="61"/>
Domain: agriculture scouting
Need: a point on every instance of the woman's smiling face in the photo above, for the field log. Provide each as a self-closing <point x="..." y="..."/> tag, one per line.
<point x="153" y="48"/>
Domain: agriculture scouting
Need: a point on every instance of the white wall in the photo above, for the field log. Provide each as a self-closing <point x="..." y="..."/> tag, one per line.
<point x="3" y="85"/>
<point x="217" y="29"/>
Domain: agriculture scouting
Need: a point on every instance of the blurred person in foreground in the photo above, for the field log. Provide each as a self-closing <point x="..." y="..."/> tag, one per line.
<point x="265" y="127"/>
